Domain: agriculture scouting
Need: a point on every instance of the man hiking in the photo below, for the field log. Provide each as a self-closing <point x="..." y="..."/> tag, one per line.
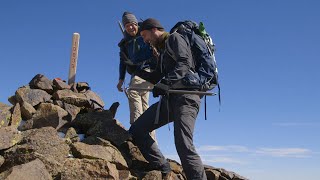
<point x="135" y="55"/>
<point x="181" y="109"/>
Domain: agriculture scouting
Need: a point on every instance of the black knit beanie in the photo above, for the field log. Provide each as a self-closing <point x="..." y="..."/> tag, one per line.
<point x="150" y="23"/>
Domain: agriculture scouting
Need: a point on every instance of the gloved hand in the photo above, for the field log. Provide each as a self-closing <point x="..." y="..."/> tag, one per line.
<point x="160" y="89"/>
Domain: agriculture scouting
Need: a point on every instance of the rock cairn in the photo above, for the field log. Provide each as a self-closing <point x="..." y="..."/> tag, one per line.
<point x="56" y="131"/>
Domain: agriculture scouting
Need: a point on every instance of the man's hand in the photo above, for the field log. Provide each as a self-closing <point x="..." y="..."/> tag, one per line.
<point x="119" y="85"/>
<point x="159" y="89"/>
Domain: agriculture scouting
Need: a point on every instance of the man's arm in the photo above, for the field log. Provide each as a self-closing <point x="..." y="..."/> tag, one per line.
<point x="122" y="73"/>
<point x="152" y="77"/>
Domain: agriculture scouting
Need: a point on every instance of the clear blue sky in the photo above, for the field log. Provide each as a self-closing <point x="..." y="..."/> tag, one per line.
<point x="268" y="57"/>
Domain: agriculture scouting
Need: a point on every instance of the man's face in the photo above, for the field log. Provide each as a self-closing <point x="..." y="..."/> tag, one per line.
<point x="148" y="36"/>
<point x="131" y="28"/>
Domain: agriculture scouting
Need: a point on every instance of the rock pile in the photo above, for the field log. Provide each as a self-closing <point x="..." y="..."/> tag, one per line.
<point x="41" y="137"/>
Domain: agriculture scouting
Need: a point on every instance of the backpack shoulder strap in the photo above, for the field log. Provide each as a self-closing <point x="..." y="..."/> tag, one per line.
<point x="168" y="48"/>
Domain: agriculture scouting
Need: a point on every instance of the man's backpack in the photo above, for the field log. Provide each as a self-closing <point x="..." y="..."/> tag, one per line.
<point x="202" y="49"/>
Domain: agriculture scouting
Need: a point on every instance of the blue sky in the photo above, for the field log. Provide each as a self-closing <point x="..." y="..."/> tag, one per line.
<point x="268" y="57"/>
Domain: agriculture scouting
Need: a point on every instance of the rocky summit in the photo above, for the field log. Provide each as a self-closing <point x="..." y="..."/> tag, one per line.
<point x="57" y="131"/>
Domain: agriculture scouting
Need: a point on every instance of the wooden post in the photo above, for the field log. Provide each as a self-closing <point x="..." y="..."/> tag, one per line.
<point x="74" y="58"/>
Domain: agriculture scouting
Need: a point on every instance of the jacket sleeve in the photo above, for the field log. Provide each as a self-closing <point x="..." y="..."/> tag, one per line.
<point x="153" y="77"/>
<point x="142" y="50"/>
<point x="122" y="66"/>
<point x="183" y="57"/>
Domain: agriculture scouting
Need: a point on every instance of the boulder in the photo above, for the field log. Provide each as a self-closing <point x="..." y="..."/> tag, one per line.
<point x="44" y="144"/>
<point x="71" y="97"/>
<point x="84" y="122"/>
<point x="108" y="153"/>
<point x="94" y="100"/>
<point x="49" y="115"/>
<point x="32" y="96"/>
<point x="1" y="160"/>
<point x="9" y="136"/>
<point x="113" y="108"/>
<point x="5" y="115"/>
<point x="110" y="130"/>
<point x="72" y="135"/>
<point x="12" y="100"/>
<point x="59" y="84"/>
<point x="34" y="170"/>
<point x="126" y="174"/>
<point x="40" y="81"/>
<point x="133" y="156"/>
<point x="93" y="140"/>
<point x="222" y="174"/>
<point x="71" y="109"/>
<point x="27" y="111"/>
<point x="212" y="174"/>
<point x="16" y="116"/>
<point x="175" y="166"/>
<point x="89" y="169"/>
<point x="151" y="175"/>
<point x="82" y="87"/>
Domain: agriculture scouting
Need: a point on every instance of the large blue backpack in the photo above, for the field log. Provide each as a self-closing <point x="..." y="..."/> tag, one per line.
<point x="202" y="49"/>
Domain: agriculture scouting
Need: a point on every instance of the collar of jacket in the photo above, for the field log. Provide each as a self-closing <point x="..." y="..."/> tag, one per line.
<point x="162" y="41"/>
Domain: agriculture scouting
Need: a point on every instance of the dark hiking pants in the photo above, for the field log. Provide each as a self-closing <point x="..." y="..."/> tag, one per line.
<point x="183" y="110"/>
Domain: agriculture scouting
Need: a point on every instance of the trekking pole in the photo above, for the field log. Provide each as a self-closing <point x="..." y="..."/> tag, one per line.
<point x="121" y="28"/>
<point x="174" y="91"/>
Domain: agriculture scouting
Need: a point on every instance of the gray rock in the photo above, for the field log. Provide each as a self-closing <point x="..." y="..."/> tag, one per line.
<point x="93" y="140"/>
<point x="16" y="116"/>
<point x="32" y="96"/>
<point x="5" y="115"/>
<point x="59" y="84"/>
<point x="125" y="174"/>
<point x="108" y="153"/>
<point x="110" y="130"/>
<point x="12" y="100"/>
<point x="89" y="169"/>
<point x="94" y="100"/>
<point x="27" y="111"/>
<point x="71" y="97"/>
<point x="101" y="124"/>
<point x="175" y="166"/>
<point x="84" y="122"/>
<point x="151" y="175"/>
<point x="9" y="136"/>
<point x="34" y="170"/>
<point x="82" y="87"/>
<point x="71" y="109"/>
<point x="44" y="144"/>
<point x="133" y="156"/>
<point x="26" y="125"/>
<point x="72" y="135"/>
<point x="1" y="160"/>
<point x="41" y="82"/>
<point x="113" y="108"/>
<point x="212" y="174"/>
<point x="222" y="174"/>
<point x="49" y="115"/>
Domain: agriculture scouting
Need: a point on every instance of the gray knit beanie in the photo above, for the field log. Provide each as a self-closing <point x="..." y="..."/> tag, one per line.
<point x="128" y="17"/>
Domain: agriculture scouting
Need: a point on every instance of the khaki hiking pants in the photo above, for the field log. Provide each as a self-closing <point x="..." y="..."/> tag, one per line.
<point x="139" y="99"/>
